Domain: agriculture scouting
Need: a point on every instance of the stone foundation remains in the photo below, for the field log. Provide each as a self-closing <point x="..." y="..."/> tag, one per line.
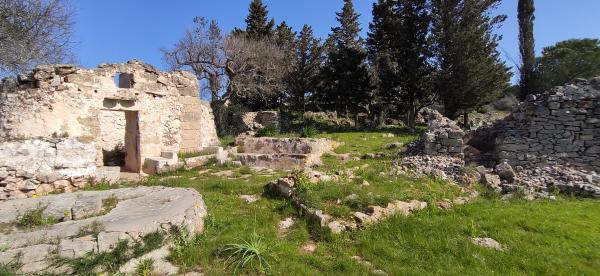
<point x="282" y="153"/>
<point x="124" y="114"/>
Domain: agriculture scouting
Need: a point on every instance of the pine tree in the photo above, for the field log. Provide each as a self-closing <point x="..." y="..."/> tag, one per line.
<point x="346" y="82"/>
<point x="257" y="23"/>
<point x="302" y="80"/>
<point x="284" y="37"/>
<point x="398" y="45"/>
<point x="470" y="71"/>
<point x="526" y="16"/>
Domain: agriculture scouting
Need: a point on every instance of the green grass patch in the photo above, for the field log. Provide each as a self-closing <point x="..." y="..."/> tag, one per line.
<point x="34" y="218"/>
<point x="542" y="237"/>
<point x="111" y="261"/>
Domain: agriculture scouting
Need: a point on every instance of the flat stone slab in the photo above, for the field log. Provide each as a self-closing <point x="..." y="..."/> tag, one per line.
<point x="128" y="213"/>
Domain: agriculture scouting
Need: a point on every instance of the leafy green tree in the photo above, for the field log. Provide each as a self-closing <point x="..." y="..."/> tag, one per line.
<point x="345" y="81"/>
<point x="257" y="23"/>
<point x="470" y="71"/>
<point x="526" y="16"/>
<point x="567" y="60"/>
<point x="302" y="80"/>
<point x="398" y="45"/>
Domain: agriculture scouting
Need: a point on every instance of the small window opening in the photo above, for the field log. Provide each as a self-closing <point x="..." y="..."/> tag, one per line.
<point x="124" y="80"/>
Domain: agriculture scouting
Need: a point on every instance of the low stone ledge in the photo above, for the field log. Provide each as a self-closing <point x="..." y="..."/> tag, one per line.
<point x="134" y="212"/>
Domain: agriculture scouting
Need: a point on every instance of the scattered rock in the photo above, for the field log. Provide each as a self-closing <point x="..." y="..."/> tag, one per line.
<point x="377" y="213"/>
<point x="506" y="172"/>
<point x="394" y="145"/>
<point x="379" y="272"/>
<point x="488" y="243"/>
<point x="362" y="262"/>
<point x="159" y="264"/>
<point x="378" y="155"/>
<point x="227" y="173"/>
<point x="309" y="247"/>
<point x="492" y="181"/>
<point x="286" y="224"/>
<point x="249" y="198"/>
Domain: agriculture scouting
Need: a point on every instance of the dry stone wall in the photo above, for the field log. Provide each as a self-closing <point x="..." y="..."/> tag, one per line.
<point x="443" y="137"/>
<point x="40" y="166"/>
<point x="561" y="126"/>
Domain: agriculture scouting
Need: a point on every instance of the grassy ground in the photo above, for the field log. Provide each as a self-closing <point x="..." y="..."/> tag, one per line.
<point x="544" y="237"/>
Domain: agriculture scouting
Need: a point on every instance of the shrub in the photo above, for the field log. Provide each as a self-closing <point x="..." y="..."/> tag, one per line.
<point x="308" y="132"/>
<point x="33" y="218"/>
<point x="267" y="131"/>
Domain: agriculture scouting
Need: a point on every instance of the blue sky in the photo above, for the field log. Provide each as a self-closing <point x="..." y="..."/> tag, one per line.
<point x="119" y="30"/>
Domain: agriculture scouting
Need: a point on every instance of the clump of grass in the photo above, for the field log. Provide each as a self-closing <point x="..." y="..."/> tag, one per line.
<point x="34" y="218"/>
<point x="185" y="155"/>
<point x="12" y="267"/>
<point x="91" y="229"/>
<point x="267" y="131"/>
<point x="245" y="170"/>
<point x="251" y="252"/>
<point x="145" y="267"/>
<point x="184" y="242"/>
<point x="109" y="203"/>
<point x="111" y="261"/>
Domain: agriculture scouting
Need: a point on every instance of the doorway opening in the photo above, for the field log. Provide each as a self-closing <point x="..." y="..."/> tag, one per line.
<point x="121" y="140"/>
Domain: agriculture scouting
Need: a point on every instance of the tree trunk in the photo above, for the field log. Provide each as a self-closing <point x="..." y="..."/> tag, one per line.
<point x="466" y="120"/>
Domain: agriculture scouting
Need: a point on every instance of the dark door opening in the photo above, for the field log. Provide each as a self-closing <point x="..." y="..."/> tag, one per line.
<point x="121" y="140"/>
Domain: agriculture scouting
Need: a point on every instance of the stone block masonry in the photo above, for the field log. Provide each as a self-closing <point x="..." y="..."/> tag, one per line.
<point x="40" y="166"/>
<point x="443" y="137"/>
<point x="561" y="126"/>
<point x="127" y="112"/>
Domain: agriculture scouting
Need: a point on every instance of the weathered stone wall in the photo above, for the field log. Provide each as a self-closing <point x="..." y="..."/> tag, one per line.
<point x="63" y="100"/>
<point x="561" y="126"/>
<point x="112" y="129"/>
<point x="39" y="166"/>
<point x="282" y="153"/>
<point x="256" y="120"/>
<point x="443" y="136"/>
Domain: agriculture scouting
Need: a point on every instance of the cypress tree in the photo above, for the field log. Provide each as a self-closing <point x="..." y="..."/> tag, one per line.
<point x="346" y="82"/>
<point x="302" y="80"/>
<point x="526" y="16"/>
<point x="398" y="44"/>
<point x="257" y="23"/>
<point x="470" y="72"/>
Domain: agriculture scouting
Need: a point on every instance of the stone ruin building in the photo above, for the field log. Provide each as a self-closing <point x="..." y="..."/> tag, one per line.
<point x="550" y="143"/>
<point x="61" y="124"/>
